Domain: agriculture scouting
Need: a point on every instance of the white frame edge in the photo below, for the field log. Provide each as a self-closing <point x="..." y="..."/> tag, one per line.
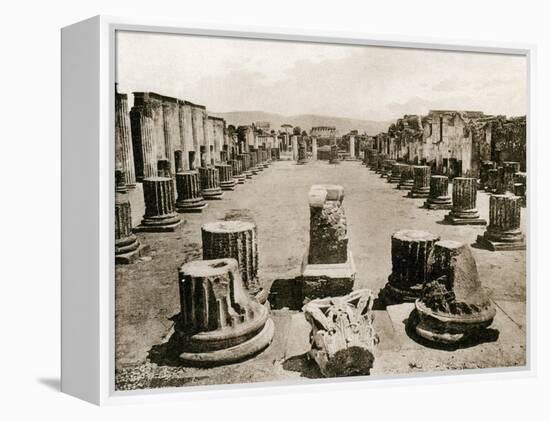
<point x="88" y="208"/>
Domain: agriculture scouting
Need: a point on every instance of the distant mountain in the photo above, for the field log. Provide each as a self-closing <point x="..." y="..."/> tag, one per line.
<point x="305" y="121"/>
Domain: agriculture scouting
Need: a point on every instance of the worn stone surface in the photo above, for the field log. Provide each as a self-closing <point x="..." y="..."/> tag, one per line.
<point x="160" y="214"/>
<point x="210" y="183"/>
<point x="406" y="181"/>
<point x="453" y="306"/>
<point x="439" y="193"/>
<point x="410" y="250"/>
<point x="464" y="209"/>
<point x="219" y="322"/>
<point x="237" y="240"/>
<point x="189" y="192"/>
<point x="342" y="334"/>
<point x="503" y="231"/>
<point x="421" y="186"/>
<point x="226" y="176"/>
<point x="127" y="246"/>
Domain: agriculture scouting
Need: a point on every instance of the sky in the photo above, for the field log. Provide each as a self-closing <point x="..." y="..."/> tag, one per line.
<point x="290" y="78"/>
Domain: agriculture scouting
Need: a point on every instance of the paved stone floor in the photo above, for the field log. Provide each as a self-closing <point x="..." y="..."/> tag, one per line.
<point x="147" y="292"/>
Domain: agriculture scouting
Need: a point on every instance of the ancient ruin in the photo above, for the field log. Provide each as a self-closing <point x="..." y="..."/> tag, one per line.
<point x="189" y="192"/>
<point x="510" y="169"/>
<point x="503" y="231"/>
<point x="439" y="193"/>
<point x="484" y="173"/>
<point x="124" y="153"/>
<point x="237" y="167"/>
<point x="237" y="240"/>
<point x="453" y="307"/>
<point x="407" y="178"/>
<point x="219" y="322"/>
<point x="342" y="335"/>
<point x="395" y="176"/>
<point x="387" y="166"/>
<point x="421" y="186"/>
<point x="410" y="251"/>
<point x="160" y="214"/>
<point x="464" y="210"/>
<point x="227" y="182"/>
<point x="210" y="183"/>
<point x="328" y="268"/>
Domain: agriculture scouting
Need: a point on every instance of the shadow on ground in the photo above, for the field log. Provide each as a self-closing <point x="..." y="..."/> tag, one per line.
<point x="304" y="365"/>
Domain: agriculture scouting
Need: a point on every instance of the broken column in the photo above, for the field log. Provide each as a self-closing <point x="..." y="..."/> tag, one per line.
<point x="237" y="240"/>
<point x="503" y="231"/>
<point x="453" y="307"/>
<point x="410" y="250"/>
<point x="219" y="322"/>
<point x="238" y="175"/>
<point x="227" y="182"/>
<point x="373" y="160"/>
<point x="314" y="148"/>
<point x="189" y="192"/>
<point x="294" y="142"/>
<point x="484" y="173"/>
<point x="245" y="161"/>
<point x="509" y="171"/>
<point x="352" y="147"/>
<point x="127" y="246"/>
<point x="210" y="183"/>
<point x="342" y="333"/>
<point x="379" y="168"/>
<point x="395" y="175"/>
<point x="407" y="178"/>
<point x="387" y="166"/>
<point x="333" y="159"/>
<point x="421" y="186"/>
<point x="160" y="214"/>
<point x="302" y="158"/>
<point x="254" y="168"/>
<point x="492" y="180"/>
<point x="328" y="268"/>
<point x="464" y="210"/>
<point x="520" y="187"/>
<point x="439" y="193"/>
<point x="123" y="140"/>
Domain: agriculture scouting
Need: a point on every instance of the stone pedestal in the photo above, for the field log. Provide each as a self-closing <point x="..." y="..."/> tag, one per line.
<point x="379" y="165"/>
<point x="238" y="175"/>
<point x="219" y="323"/>
<point x="439" y="193"/>
<point x="510" y="169"/>
<point x="421" y="186"/>
<point x="342" y="334"/>
<point x="395" y="176"/>
<point x="189" y="192"/>
<point x="352" y="147"/>
<point x="410" y="250"/>
<point x="373" y="160"/>
<point x="453" y="307"/>
<point x="464" y="210"/>
<point x="503" y="231"/>
<point x="387" y="166"/>
<point x="407" y="178"/>
<point x="492" y="180"/>
<point x="520" y="187"/>
<point x="328" y="268"/>
<point x="160" y="214"/>
<point x="210" y="183"/>
<point x="302" y="158"/>
<point x="127" y="246"/>
<point x="237" y="240"/>
<point x="227" y="182"/>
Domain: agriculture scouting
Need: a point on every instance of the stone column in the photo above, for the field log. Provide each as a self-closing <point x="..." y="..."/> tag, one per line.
<point x="407" y="178"/>
<point x="379" y="169"/>
<point x="395" y="173"/>
<point x="238" y="175"/>
<point x="484" y="173"/>
<point x="464" y="210"/>
<point x="237" y="240"/>
<point x="520" y="187"/>
<point x="189" y="192"/>
<point x="127" y="246"/>
<point x="223" y="156"/>
<point x="352" y="147"/>
<point x="503" y="231"/>
<point x="160" y="214"/>
<point x="421" y="186"/>
<point x="226" y="177"/>
<point x="328" y="268"/>
<point x="439" y="193"/>
<point x="453" y="307"/>
<point x="492" y="180"/>
<point x="294" y="141"/>
<point x="509" y="170"/>
<point x="387" y="168"/>
<point x="334" y="155"/>
<point x="314" y="148"/>
<point x="302" y="158"/>
<point x="145" y="157"/>
<point x="245" y="160"/>
<point x="210" y="183"/>
<point x="123" y="140"/>
<point x="219" y="323"/>
<point x="410" y="252"/>
<point x="373" y="160"/>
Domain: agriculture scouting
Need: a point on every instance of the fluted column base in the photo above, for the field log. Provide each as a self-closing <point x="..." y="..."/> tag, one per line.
<point x="419" y="193"/>
<point x="128" y="250"/>
<point x="164" y="223"/>
<point x="228" y="185"/>
<point x="465" y="217"/>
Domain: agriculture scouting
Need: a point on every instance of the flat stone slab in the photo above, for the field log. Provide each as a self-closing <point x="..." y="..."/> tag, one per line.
<point x="500" y="245"/>
<point x="464" y="221"/>
<point x="159" y="228"/>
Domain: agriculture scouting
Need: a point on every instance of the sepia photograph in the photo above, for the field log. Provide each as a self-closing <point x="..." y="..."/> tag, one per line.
<point x="287" y="211"/>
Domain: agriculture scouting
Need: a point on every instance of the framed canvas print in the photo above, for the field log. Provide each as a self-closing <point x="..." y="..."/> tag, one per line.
<point x="256" y="208"/>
